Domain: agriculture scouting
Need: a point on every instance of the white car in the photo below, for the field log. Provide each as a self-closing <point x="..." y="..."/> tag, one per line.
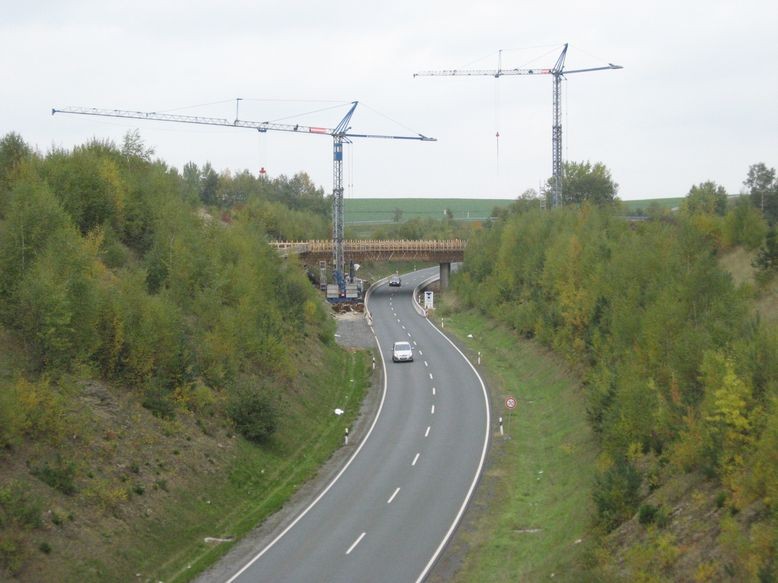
<point x="402" y="352"/>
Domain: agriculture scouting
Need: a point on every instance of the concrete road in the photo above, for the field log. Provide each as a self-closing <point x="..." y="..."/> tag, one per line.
<point x="393" y="507"/>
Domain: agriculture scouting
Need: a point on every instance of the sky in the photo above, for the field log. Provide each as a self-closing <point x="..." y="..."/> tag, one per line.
<point x="697" y="98"/>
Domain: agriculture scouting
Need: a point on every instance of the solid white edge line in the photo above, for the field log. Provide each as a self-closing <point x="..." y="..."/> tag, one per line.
<point x="415" y="459"/>
<point x="355" y="543"/>
<point x="477" y="476"/>
<point x="393" y="495"/>
<point x="332" y="483"/>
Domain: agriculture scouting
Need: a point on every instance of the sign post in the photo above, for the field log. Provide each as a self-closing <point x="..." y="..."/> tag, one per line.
<point x="510" y="404"/>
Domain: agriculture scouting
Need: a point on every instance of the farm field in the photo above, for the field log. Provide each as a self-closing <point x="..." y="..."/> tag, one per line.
<point x="366" y="211"/>
<point x="382" y="210"/>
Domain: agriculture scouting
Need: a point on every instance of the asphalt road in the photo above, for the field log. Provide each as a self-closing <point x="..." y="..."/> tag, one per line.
<point x="393" y="507"/>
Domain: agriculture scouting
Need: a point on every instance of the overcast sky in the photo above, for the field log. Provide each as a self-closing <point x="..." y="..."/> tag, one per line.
<point x="697" y="99"/>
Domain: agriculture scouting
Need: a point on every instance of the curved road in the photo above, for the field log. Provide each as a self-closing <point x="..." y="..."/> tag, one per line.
<point x="391" y="510"/>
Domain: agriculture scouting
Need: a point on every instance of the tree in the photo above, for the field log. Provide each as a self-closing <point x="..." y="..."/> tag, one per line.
<point x="209" y="185"/>
<point x="586" y="182"/>
<point x="763" y="188"/>
<point x="705" y="198"/>
<point x="13" y="151"/>
<point x="134" y="148"/>
<point x="398" y="215"/>
<point x="767" y="258"/>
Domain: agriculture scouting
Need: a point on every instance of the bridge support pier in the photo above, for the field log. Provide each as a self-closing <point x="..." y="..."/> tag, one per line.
<point x="445" y="272"/>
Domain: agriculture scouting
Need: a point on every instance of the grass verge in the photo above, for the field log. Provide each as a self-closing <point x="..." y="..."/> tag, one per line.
<point x="530" y="517"/>
<point x="260" y="480"/>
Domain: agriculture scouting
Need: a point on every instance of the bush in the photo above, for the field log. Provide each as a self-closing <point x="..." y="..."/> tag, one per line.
<point x="159" y="404"/>
<point x="647" y="513"/>
<point x="254" y="415"/>
<point x="616" y="493"/>
<point x="59" y="476"/>
<point x="19" y="507"/>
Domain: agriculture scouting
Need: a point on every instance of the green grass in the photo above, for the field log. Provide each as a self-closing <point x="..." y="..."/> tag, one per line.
<point x="382" y="210"/>
<point x="539" y="476"/>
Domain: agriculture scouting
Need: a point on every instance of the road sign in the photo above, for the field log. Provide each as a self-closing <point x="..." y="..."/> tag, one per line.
<point x="510" y="403"/>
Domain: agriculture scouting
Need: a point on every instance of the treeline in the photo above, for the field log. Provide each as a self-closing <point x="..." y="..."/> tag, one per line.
<point x="680" y="375"/>
<point x="112" y="268"/>
<point x="417" y="229"/>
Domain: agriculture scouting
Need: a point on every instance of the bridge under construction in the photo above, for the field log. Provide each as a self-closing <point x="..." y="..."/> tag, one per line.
<point x="443" y="252"/>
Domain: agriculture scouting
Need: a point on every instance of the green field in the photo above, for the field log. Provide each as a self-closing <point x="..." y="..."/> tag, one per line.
<point x="645" y="204"/>
<point x="382" y="210"/>
<point x="367" y="211"/>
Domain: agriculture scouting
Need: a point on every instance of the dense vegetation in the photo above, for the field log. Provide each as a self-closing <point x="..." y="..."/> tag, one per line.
<point x="117" y="269"/>
<point x="680" y="375"/>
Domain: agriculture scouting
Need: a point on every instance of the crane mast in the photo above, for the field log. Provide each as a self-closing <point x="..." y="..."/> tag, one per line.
<point x="558" y="72"/>
<point x="341" y="134"/>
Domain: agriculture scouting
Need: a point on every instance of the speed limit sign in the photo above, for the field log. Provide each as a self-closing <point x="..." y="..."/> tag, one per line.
<point x="510" y="403"/>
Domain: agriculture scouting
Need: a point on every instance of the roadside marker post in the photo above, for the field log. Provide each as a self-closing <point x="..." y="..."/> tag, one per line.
<point x="345" y="441"/>
<point x="501" y="430"/>
<point x="479" y="358"/>
<point x="510" y="404"/>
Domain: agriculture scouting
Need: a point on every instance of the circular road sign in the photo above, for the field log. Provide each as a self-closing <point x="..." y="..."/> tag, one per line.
<point x="510" y="402"/>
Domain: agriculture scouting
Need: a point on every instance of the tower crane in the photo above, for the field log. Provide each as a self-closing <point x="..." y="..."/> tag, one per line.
<point x="558" y="71"/>
<point x="341" y="134"/>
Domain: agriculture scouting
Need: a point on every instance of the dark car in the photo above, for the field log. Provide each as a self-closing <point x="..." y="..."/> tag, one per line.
<point x="395" y="281"/>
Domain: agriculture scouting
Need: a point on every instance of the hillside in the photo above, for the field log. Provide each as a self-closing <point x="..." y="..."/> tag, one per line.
<point x="166" y="380"/>
<point x="678" y="374"/>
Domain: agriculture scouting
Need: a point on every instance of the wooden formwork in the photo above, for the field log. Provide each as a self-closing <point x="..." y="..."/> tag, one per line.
<point x="446" y="251"/>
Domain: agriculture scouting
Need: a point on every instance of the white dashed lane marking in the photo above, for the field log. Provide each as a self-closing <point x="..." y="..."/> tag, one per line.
<point x="432" y="411"/>
<point x="355" y="543"/>
<point x="415" y="459"/>
<point x="393" y="495"/>
<point x="426" y="433"/>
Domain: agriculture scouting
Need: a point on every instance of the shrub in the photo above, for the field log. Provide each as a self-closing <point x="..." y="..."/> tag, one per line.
<point x="160" y="405"/>
<point x="254" y="415"/>
<point x="59" y="476"/>
<point x="19" y="507"/>
<point x="616" y="493"/>
<point x="647" y="513"/>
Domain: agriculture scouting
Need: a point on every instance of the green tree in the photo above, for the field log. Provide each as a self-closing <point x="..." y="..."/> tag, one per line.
<point x="133" y="147"/>
<point x="705" y="198"/>
<point x="13" y="152"/>
<point x="587" y="182"/>
<point x="766" y="259"/>
<point x="744" y="225"/>
<point x="762" y="186"/>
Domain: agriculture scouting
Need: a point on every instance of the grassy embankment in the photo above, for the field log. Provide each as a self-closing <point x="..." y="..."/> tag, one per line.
<point x="179" y="480"/>
<point x="531" y="513"/>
